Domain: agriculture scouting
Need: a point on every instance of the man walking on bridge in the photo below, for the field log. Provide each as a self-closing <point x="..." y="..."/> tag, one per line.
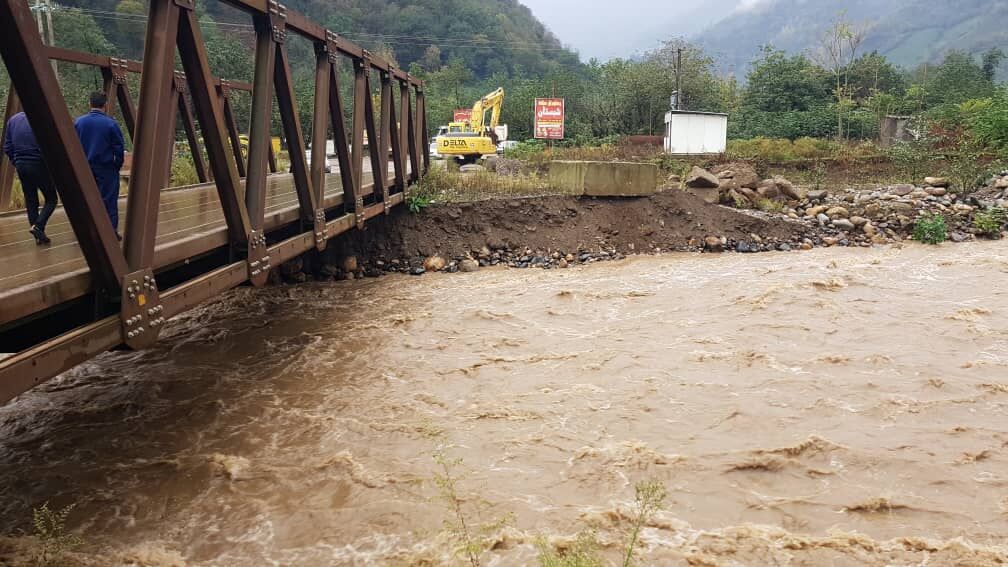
<point x="105" y="148"/>
<point x="23" y="151"/>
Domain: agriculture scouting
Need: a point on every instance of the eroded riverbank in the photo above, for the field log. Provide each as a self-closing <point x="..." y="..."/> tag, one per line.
<point x="838" y="406"/>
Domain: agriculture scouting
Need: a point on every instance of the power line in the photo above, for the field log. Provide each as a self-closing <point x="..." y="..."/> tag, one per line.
<point x="402" y="40"/>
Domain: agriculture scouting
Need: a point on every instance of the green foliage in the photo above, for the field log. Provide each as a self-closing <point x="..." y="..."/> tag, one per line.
<point x="183" y="171"/>
<point x="990" y="222"/>
<point x="911" y="158"/>
<point x="989" y="120"/>
<point x="818" y="175"/>
<point x="417" y="202"/>
<point x="781" y="151"/>
<point x="966" y="167"/>
<point x="931" y="229"/>
<point x="53" y="539"/>
<point x="650" y="497"/>
<point x="785" y="83"/>
<point x="584" y="552"/>
<point x="769" y="206"/>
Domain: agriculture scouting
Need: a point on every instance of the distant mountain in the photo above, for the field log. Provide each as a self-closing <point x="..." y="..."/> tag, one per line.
<point x="909" y="32"/>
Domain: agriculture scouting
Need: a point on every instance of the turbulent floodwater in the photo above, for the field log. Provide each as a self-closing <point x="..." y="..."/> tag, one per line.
<point x="836" y="407"/>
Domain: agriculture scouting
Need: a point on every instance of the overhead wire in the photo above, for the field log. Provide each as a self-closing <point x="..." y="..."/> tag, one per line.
<point x="401" y="40"/>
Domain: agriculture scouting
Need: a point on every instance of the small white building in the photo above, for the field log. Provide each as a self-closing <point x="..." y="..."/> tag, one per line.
<point x="695" y="133"/>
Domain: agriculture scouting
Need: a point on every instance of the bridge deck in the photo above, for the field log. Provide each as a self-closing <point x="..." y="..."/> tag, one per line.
<point x="190" y="223"/>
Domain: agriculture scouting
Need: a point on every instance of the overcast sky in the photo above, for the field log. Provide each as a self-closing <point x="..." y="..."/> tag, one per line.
<point x="607" y="29"/>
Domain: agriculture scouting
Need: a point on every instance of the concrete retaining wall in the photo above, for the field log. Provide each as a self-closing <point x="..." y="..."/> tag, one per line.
<point x="605" y="179"/>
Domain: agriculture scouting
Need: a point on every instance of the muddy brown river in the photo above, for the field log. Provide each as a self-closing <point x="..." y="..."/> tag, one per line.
<point x="835" y="407"/>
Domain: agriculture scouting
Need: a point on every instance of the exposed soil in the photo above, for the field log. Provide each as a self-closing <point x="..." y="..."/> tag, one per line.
<point x="673" y="220"/>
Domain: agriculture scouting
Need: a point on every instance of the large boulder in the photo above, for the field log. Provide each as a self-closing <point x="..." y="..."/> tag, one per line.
<point x="937" y="182"/>
<point x="700" y="178"/>
<point x="736" y="176"/>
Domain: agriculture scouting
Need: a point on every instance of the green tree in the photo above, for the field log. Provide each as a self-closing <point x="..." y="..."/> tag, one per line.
<point x="784" y="83"/>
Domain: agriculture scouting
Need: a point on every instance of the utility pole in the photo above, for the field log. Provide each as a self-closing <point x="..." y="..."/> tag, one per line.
<point x="678" y="79"/>
<point x="43" y="10"/>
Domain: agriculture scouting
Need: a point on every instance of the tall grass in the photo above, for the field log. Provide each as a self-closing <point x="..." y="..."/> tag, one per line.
<point x="447" y="185"/>
<point x="803" y="149"/>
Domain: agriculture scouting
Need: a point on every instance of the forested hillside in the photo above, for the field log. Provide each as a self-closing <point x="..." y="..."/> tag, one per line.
<point x="486" y="36"/>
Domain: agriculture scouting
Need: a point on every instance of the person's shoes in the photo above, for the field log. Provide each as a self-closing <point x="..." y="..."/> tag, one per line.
<point x="40" y="236"/>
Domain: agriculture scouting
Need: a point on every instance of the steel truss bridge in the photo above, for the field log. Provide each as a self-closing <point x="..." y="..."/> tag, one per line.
<point x="88" y="293"/>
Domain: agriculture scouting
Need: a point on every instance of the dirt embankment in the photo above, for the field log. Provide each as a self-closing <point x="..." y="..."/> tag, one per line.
<point x="548" y="232"/>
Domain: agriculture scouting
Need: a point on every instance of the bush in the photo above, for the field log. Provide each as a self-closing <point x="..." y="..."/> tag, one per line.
<point x="990" y="222"/>
<point x="912" y="158"/>
<point x="965" y="166"/>
<point x="931" y="229"/>
<point x="183" y="171"/>
<point x="990" y="121"/>
<point x="781" y="150"/>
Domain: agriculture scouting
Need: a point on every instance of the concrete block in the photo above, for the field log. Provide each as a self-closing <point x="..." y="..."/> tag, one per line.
<point x="605" y="179"/>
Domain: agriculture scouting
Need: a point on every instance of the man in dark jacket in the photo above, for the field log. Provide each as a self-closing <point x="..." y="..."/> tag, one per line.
<point x="105" y="148"/>
<point x="22" y="149"/>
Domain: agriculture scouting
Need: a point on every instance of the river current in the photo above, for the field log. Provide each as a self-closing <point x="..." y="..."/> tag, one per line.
<point x="834" y="407"/>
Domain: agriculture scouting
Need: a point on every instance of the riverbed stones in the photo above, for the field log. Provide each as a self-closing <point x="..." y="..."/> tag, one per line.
<point x="714" y="244"/>
<point x="936" y="191"/>
<point x="435" y="263"/>
<point x="843" y="224"/>
<point x="349" y="264"/>
<point x="937" y="182"/>
<point x="468" y="265"/>
<point x="817" y="196"/>
<point x="902" y="190"/>
<point x="838" y="213"/>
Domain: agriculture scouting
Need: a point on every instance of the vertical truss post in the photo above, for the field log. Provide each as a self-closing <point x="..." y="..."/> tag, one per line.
<point x="152" y="141"/>
<point x="414" y="144"/>
<point x="386" y="135"/>
<point x="341" y="140"/>
<point x="379" y="156"/>
<point x="26" y="60"/>
<point x="189" y="125"/>
<point x="320" y="131"/>
<point x="361" y="107"/>
<point x="397" y="148"/>
<point x="421" y="103"/>
<point x="6" y="167"/>
<point x="211" y="119"/>
<point x="402" y="177"/>
<point x="166" y="123"/>
<point x="287" y="104"/>
<point x="262" y="113"/>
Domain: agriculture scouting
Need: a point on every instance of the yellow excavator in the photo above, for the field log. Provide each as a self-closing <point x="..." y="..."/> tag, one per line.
<point x="468" y="141"/>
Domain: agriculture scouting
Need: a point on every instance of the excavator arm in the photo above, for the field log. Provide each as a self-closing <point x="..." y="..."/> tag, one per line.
<point x="493" y="101"/>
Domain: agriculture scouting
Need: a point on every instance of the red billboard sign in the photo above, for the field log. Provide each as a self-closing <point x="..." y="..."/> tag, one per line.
<point x="462" y="115"/>
<point x="549" y="118"/>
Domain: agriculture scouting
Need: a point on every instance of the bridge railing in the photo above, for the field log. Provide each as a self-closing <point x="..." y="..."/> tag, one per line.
<point x="115" y="72"/>
<point x="124" y="276"/>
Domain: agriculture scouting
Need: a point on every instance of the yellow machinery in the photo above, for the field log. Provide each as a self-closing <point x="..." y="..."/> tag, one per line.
<point x="469" y="141"/>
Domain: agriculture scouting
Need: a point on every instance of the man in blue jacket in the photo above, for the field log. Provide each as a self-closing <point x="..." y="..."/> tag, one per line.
<point x="105" y="148"/>
<point x="22" y="149"/>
